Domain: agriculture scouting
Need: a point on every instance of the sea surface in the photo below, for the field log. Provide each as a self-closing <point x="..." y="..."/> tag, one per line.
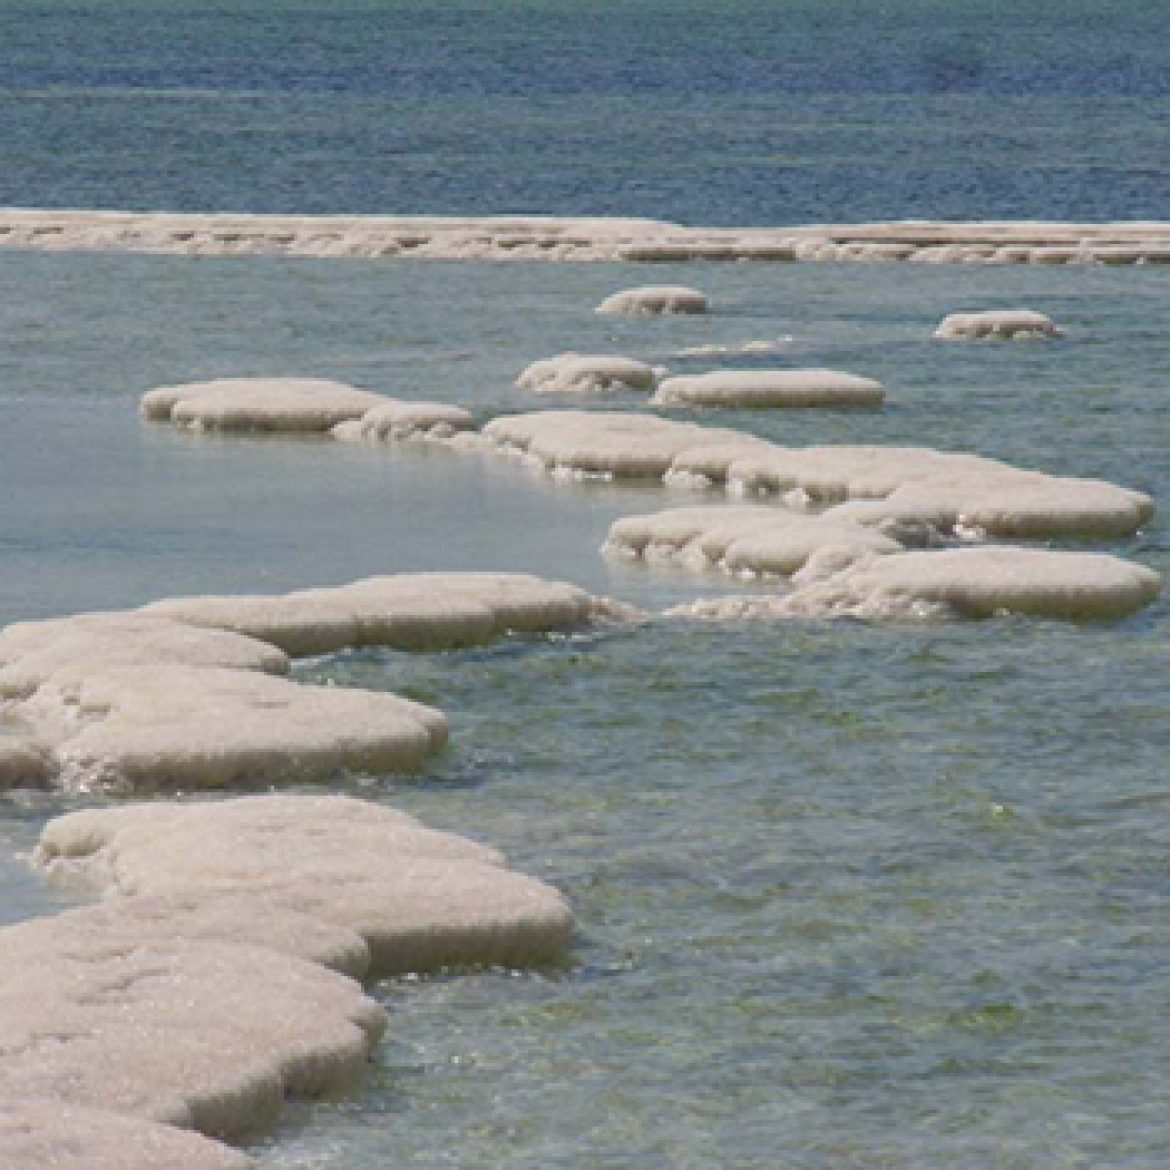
<point x="849" y="896"/>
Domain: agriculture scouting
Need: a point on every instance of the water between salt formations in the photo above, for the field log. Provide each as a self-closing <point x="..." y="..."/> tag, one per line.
<point x="848" y="895"/>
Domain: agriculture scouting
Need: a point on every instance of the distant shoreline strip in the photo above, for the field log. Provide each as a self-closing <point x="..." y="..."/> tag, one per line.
<point x="580" y="239"/>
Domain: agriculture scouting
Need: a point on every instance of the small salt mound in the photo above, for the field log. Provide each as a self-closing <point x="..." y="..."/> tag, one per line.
<point x="25" y="763"/>
<point x="655" y="299"/>
<point x="409" y="611"/>
<point x="576" y="373"/>
<point x="304" y="405"/>
<point x="421" y="899"/>
<point x="764" y="388"/>
<point x="195" y="1033"/>
<point x="32" y="651"/>
<point x="751" y="539"/>
<point x="968" y="582"/>
<point x="997" y="324"/>
<point x="607" y="444"/>
<point x="395" y="419"/>
<point x="46" y="1135"/>
<point x="188" y="727"/>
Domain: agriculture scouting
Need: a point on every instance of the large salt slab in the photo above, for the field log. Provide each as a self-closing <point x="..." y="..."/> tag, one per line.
<point x="186" y="727"/>
<point x="578" y="373"/>
<point x="397" y="420"/>
<point x="655" y="299"/>
<point x="30" y="652"/>
<point x="770" y="388"/>
<point x="967" y="582"/>
<point x="47" y="1135"/>
<point x="419" y="898"/>
<point x="409" y="611"/>
<point x="304" y="405"/>
<point x="751" y="539"/>
<point x="997" y="324"/>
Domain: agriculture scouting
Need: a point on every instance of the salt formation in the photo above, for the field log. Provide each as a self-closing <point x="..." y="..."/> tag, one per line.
<point x="197" y="994"/>
<point x="297" y="405"/>
<point x="967" y="582"/>
<point x="764" y="388"/>
<point x="395" y="419"/>
<point x="751" y="539"/>
<point x="184" y="693"/>
<point x="576" y="373"/>
<point x="954" y="493"/>
<point x="999" y="324"/>
<point x="653" y="300"/>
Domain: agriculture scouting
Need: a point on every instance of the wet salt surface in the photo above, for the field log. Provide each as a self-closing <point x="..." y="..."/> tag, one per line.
<point x="847" y="896"/>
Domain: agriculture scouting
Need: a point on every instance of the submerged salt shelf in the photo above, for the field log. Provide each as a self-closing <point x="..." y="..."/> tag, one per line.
<point x="181" y="693"/>
<point x="568" y="238"/>
<point x="207" y="986"/>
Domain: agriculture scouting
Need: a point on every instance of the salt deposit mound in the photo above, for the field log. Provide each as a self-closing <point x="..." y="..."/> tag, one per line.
<point x="579" y="373"/>
<point x="1000" y="324"/>
<point x="46" y="1135"/>
<point x="409" y="611"/>
<point x="398" y="420"/>
<point x="420" y="899"/>
<point x="765" y="388"/>
<point x="747" y="540"/>
<point x="295" y="405"/>
<point x="653" y="300"/>
<point x="967" y="582"/>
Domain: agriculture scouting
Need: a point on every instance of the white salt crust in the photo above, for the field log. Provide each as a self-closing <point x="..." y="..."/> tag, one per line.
<point x="196" y="994"/>
<point x="400" y="420"/>
<point x="967" y="582"/>
<point x="581" y="373"/>
<point x="298" y="405"/>
<point x="770" y="388"/>
<point x="954" y="493"/>
<point x="47" y="1135"/>
<point x="653" y="300"/>
<point x="560" y="238"/>
<point x="997" y="325"/>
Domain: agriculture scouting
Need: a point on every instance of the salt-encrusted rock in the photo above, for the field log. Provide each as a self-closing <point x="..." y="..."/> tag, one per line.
<point x="396" y="419"/>
<point x="298" y="405"/>
<point x="25" y="763"/>
<point x="195" y="1033"/>
<point x="580" y="373"/>
<point x="189" y="727"/>
<point x="999" y="324"/>
<point x="967" y="582"/>
<point x="409" y="611"/>
<point x="419" y="898"/>
<point x="32" y="651"/>
<point x="47" y="1135"/>
<point x="766" y="388"/>
<point x="750" y="539"/>
<point x="655" y="299"/>
<point x="607" y="444"/>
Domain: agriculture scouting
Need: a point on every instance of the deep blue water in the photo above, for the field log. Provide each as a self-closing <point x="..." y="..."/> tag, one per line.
<point x="743" y="112"/>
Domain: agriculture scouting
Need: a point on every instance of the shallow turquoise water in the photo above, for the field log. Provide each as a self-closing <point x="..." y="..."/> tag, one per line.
<point x="848" y="896"/>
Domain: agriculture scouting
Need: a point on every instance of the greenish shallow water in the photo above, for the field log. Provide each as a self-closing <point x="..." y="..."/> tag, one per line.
<point x="847" y="895"/>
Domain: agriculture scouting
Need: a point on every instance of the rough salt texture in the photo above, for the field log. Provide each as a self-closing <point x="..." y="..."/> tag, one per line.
<point x="47" y="1135"/>
<point x="31" y="652"/>
<point x="953" y="493"/>
<point x="998" y="325"/>
<point x="201" y="727"/>
<point x="25" y="763"/>
<point x="397" y="420"/>
<point x="296" y="405"/>
<point x="967" y="582"/>
<point x="561" y="238"/>
<point x="420" y="899"/>
<point x="767" y="388"/>
<point x="578" y="373"/>
<point x="655" y="299"/>
<point x="747" y="540"/>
